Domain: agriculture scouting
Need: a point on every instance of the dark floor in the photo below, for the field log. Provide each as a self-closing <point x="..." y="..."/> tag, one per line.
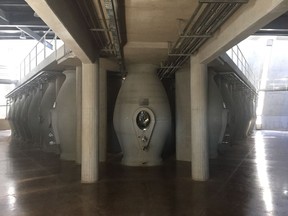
<point x="249" y="178"/>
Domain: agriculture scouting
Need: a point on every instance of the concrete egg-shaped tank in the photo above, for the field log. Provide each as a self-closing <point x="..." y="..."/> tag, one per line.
<point x="24" y="116"/>
<point x="46" y="105"/>
<point x="66" y="116"/>
<point x="19" y="117"/>
<point x="142" y="118"/>
<point x="14" y="119"/>
<point x="33" y="116"/>
<point x="10" y="118"/>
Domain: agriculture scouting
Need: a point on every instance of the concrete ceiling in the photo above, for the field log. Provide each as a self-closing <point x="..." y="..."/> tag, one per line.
<point x="278" y="27"/>
<point x="150" y="24"/>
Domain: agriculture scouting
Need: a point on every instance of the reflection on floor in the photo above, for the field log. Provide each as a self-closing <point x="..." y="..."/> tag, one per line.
<point x="249" y="178"/>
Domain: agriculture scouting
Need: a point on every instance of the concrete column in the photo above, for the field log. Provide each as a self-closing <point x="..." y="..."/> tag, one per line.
<point x="199" y="144"/>
<point x="90" y="122"/>
<point x="103" y="111"/>
<point x="183" y="114"/>
<point x="79" y="113"/>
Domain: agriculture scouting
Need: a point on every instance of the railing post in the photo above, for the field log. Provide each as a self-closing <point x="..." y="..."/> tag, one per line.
<point x="6" y="108"/>
<point x="44" y="51"/>
<point x="55" y="45"/>
<point x="29" y="63"/>
<point x="36" y="55"/>
<point x="20" y="71"/>
<point x="23" y="70"/>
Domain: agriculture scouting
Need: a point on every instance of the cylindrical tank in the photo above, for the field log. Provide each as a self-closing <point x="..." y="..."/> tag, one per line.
<point x="10" y="117"/>
<point x="24" y="116"/>
<point x="46" y="105"/>
<point x="58" y="83"/>
<point x="252" y="108"/>
<point x="247" y="113"/>
<point x="18" y="118"/>
<point x="14" y="115"/>
<point x="66" y="116"/>
<point x="142" y="118"/>
<point x="33" y="116"/>
<point x="215" y="117"/>
<point x="241" y="116"/>
<point x="228" y="99"/>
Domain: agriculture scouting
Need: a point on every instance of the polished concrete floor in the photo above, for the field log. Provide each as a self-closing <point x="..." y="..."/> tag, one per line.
<point x="248" y="178"/>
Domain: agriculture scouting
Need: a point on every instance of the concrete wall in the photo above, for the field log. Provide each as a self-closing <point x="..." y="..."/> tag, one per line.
<point x="275" y="111"/>
<point x="268" y="59"/>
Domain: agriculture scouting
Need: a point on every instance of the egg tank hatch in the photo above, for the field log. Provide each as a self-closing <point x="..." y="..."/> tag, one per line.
<point x="143" y="123"/>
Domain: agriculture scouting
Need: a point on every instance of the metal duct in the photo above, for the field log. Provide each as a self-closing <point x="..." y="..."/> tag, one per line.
<point x="204" y="22"/>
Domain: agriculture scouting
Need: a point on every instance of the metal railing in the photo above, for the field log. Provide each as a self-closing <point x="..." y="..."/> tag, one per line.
<point x="238" y="58"/>
<point x="39" y="52"/>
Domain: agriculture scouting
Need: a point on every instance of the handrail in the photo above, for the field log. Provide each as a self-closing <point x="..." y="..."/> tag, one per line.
<point x="38" y="53"/>
<point x="238" y="58"/>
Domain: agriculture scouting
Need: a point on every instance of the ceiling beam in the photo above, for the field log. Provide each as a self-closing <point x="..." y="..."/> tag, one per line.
<point x="3" y="17"/>
<point x="223" y="1"/>
<point x="13" y="5"/>
<point x="44" y="27"/>
<point x="37" y="37"/>
<point x="246" y="20"/>
<point x="279" y="23"/>
<point x="12" y="2"/>
<point x="66" y="20"/>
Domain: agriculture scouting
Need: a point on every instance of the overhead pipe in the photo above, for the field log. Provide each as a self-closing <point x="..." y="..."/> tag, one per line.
<point x="206" y="19"/>
<point x="93" y="21"/>
<point x="105" y="27"/>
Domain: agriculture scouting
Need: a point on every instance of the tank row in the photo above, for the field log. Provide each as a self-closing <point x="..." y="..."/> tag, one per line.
<point x="43" y="115"/>
<point x="231" y="112"/>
